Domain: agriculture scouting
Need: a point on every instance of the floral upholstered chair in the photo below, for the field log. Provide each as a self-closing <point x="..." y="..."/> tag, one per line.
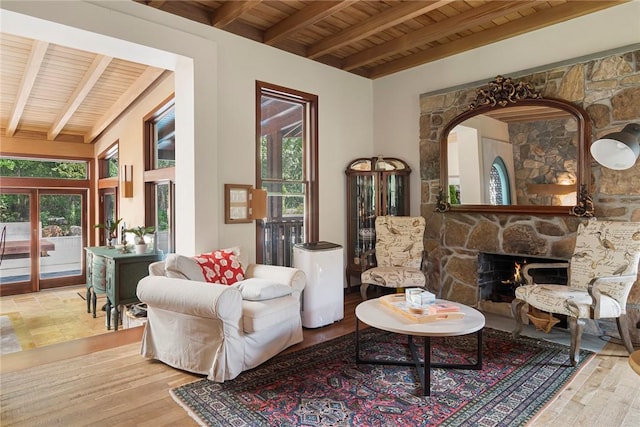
<point x="399" y="251"/>
<point x="602" y="270"/>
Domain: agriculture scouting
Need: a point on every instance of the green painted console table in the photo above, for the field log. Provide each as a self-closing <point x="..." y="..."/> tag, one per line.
<point x="115" y="274"/>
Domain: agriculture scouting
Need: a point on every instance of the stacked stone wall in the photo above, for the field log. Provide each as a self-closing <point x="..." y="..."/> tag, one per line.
<point x="608" y="88"/>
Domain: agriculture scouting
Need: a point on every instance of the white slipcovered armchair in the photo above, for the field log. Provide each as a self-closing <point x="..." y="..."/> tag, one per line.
<point x="602" y="270"/>
<point x="214" y="329"/>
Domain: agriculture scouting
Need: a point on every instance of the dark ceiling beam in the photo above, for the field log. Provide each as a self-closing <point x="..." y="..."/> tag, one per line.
<point x="314" y="12"/>
<point x="514" y="28"/>
<point x="156" y="3"/>
<point x="387" y="19"/>
<point x="230" y="11"/>
<point x="420" y="38"/>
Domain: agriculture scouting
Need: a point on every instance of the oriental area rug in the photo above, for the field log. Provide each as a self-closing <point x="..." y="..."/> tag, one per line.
<point x="323" y="386"/>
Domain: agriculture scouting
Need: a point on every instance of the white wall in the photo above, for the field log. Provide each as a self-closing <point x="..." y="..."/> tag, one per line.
<point x="396" y="97"/>
<point x="215" y="105"/>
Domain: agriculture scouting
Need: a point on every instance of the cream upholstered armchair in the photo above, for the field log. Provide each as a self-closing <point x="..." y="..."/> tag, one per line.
<point x="216" y="329"/>
<point x="399" y="251"/>
<point x="602" y="270"/>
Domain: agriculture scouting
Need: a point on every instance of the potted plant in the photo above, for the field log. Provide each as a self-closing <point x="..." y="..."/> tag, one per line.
<point x="140" y="232"/>
<point x="111" y="230"/>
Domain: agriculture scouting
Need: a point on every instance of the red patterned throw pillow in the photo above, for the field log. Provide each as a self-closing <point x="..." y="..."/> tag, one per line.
<point x="221" y="266"/>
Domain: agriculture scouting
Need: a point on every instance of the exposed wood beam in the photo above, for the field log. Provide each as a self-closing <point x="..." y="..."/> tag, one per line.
<point x="387" y="19"/>
<point x="156" y="3"/>
<point x="311" y="14"/>
<point x="140" y="85"/>
<point x="230" y="11"/>
<point x="532" y="22"/>
<point x="455" y="24"/>
<point x="97" y="67"/>
<point x="38" y="50"/>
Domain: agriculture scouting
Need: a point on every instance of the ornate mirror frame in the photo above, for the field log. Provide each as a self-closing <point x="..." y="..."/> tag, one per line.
<point x="501" y="93"/>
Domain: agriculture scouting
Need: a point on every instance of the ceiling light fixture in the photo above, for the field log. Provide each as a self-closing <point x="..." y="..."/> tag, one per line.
<point x="618" y="150"/>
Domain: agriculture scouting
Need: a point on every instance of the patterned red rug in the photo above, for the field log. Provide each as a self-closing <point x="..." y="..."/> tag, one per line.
<point x="323" y="386"/>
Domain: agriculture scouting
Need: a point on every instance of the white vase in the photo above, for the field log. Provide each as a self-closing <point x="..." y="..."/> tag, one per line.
<point x="141" y="249"/>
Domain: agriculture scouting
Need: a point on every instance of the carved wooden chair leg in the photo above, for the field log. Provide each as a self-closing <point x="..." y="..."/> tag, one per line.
<point x="517" y="305"/>
<point x="363" y="291"/>
<point x="576" y="326"/>
<point x="623" y="329"/>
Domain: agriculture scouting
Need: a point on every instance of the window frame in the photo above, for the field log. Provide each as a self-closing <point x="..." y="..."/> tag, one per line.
<point x="310" y="177"/>
<point x="154" y="177"/>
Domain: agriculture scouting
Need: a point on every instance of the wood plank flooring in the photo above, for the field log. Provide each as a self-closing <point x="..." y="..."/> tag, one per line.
<point x="52" y="316"/>
<point x="102" y="380"/>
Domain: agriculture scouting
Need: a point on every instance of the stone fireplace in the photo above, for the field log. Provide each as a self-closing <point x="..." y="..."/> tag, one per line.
<point x="608" y="88"/>
<point x="499" y="275"/>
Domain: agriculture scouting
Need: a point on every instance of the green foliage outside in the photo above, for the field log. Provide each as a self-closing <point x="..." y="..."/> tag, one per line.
<point x="292" y="193"/>
<point x="57" y="210"/>
<point x="42" y="169"/>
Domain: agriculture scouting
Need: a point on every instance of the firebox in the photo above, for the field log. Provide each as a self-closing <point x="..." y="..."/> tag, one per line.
<point x="499" y="275"/>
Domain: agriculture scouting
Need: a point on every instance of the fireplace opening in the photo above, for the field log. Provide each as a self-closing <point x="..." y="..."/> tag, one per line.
<point x="499" y="275"/>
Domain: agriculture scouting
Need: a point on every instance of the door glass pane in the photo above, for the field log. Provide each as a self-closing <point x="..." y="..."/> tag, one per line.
<point x="15" y="227"/>
<point x="60" y="235"/>
<point x="363" y="224"/>
<point x="395" y="195"/>
<point x="163" y="216"/>
<point x="109" y="212"/>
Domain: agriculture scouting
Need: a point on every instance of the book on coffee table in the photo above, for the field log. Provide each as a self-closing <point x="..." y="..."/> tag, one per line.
<point x="424" y="314"/>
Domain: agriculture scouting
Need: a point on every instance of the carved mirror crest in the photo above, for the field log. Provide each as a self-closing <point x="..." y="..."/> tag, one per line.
<point x="514" y="151"/>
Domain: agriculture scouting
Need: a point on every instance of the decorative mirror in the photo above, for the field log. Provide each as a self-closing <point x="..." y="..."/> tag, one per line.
<point x="513" y="151"/>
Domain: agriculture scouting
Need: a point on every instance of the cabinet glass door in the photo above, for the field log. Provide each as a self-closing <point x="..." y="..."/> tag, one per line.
<point x="395" y="195"/>
<point x="365" y="196"/>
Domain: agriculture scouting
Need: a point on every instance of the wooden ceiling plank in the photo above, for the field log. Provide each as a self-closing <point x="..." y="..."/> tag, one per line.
<point x="99" y="64"/>
<point x="36" y="56"/>
<point x="145" y="80"/>
<point x="455" y="24"/>
<point x="230" y="11"/>
<point x="309" y="15"/>
<point x="387" y="19"/>
<point x="532" y="22"/>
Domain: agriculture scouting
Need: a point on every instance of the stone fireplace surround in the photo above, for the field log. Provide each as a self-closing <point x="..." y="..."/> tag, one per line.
<point x="608" y="88"/>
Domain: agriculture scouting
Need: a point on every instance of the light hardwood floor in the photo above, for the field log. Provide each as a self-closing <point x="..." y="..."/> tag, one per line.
<point x="52" y="316"/>
<point x="102" y="380"/>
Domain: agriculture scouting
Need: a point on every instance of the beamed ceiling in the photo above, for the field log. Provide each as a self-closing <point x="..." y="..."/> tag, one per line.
<point x="57" y="93"/>
<point x="378" y="38"/>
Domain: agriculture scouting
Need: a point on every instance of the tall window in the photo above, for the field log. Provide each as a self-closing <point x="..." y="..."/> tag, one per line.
<point x="108" y="162"/>
<point x="287" y="168"/>
<point x="159" y="178"/>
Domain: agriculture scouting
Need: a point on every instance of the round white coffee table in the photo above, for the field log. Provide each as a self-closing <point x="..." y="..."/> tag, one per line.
<point x="375" y="314"/>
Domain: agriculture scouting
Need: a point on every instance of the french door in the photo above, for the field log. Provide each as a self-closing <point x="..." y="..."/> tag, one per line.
<point x="43" y="236"/>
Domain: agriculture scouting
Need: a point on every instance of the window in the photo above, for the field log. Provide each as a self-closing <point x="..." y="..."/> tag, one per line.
<point x="499" y="193"/>
<point x="108" y="163"/>
<point x="15" y="167"/>
<point x="160" y="162"/>
<point x="287" y="168"/>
